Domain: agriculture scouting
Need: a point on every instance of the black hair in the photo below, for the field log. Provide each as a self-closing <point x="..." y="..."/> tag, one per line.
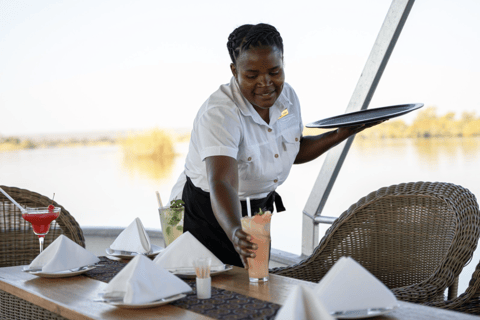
<point x="249" y="35"/>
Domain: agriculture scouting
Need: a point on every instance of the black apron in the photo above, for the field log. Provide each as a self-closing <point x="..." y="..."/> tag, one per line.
<point x="200" y="220"/>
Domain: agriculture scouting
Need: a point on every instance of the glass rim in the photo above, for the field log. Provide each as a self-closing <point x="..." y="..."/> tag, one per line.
<point x="168" y="207"/>
<point x="41" y="209"/>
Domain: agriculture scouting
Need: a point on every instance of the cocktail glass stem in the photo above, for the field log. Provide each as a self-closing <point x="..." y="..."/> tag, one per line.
<point x="40" y="240"/>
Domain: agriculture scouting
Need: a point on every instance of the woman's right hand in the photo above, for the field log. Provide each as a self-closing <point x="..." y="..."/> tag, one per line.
<point x="242" y="243"/>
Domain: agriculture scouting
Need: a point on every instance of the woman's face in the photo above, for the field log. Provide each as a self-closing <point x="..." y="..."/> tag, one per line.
<point x="259" y="73"/>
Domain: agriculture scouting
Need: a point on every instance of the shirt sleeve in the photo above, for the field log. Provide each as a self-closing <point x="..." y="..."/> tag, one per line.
<point x="218" y="132"/>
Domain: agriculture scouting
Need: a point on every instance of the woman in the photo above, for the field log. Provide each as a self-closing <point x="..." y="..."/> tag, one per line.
<point x="245" y="139"/>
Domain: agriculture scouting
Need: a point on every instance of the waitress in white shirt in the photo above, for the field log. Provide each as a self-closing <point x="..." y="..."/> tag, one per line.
<point x="245" y="139"/>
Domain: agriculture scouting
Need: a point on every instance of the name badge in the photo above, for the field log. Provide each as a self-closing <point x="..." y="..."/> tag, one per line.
<point x="284" y="113"/>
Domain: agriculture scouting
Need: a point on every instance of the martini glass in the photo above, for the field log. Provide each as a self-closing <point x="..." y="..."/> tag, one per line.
<point x="41" y="218"/>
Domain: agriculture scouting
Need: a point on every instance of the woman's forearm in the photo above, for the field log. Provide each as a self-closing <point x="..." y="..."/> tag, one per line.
<point x="226" y="206"/>
<point x="222" y="174"/>
<point x="311" y="147"/>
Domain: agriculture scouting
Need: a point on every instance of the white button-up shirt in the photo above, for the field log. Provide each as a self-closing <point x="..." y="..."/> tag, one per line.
<point x="228" y="125"/>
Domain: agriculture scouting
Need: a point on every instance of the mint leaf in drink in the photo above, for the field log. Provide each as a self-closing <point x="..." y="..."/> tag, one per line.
<point x="176" y="217"/>
<point x="176" y="204"/>
<point x="180" y="228"/>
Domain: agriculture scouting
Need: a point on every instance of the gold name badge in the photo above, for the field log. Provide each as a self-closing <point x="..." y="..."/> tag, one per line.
<point x="284" y="113"/>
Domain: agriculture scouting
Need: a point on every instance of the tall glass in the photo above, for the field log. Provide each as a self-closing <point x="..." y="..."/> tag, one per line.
<point x="171" y="220"/>
<point x="258" y="227"/>
<point x="40" y="218"/>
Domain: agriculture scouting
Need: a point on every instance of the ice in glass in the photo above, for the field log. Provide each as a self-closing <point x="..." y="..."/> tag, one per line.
<point x="258" y="227"/>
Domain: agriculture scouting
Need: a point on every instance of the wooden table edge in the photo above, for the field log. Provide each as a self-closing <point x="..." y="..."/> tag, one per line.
<point x="65" y="311"/>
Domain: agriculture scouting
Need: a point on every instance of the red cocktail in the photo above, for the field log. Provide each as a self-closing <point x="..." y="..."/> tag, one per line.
<point x="40" y="218"/>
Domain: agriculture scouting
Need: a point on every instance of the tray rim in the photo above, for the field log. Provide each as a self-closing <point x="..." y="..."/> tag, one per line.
<point x="413" y="106"/>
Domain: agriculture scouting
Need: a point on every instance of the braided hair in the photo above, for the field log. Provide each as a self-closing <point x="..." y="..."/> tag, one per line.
<point x="249" y="35"/>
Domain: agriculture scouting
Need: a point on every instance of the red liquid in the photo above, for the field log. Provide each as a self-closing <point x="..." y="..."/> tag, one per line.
<point x="40" y="221"/>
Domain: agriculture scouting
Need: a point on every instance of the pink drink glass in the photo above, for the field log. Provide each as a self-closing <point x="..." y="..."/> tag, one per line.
<point x="258" y="227"/>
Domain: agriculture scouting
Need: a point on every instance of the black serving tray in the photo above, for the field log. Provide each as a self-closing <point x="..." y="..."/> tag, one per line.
<point x="365" y="116"/>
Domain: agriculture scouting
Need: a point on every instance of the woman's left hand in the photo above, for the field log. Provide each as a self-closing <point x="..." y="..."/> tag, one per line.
<point x="348" y="131"/>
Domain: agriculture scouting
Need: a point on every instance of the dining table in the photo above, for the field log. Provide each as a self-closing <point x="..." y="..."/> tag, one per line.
<point x="233" y="297"/>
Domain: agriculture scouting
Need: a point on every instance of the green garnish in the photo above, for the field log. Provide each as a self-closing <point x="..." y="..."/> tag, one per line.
<point x="176" y="204"/>
<point x="260" y="212"/>
<point x="180" y="228"/>
<point x="176" y="217"/>
<point x="175" y="211"/>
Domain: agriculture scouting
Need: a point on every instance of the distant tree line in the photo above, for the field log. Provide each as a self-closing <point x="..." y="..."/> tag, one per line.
<point x="428" y="124"/>
<point x="158" y="144"/>
<point x="15" y="143"/>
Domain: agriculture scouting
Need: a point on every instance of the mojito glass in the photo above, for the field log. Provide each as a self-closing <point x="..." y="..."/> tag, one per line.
<point x="171" y="220"/>
<point x="258" y="227"/>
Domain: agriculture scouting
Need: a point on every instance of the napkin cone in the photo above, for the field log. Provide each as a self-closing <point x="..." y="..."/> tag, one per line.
<point x="134" y="239"/>
<point x="183" y="251"/>
<point x="348" y="286"/>
<point x="302" y="303"/>
<point x="61" y="255"/>
<point x="142" y="281"/>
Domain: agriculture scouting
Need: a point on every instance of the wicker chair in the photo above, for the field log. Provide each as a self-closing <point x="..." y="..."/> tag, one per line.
<point x="414" y="237"/>
<point x="18" y="244"/>
<point x="469" y="301"/>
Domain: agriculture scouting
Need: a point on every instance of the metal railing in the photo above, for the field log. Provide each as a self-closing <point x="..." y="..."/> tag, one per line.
<point x="361" y="97"/>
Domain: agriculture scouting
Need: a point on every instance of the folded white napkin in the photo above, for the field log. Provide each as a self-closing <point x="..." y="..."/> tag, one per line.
<point x="63" y="254"/>
<point x="134" y="239"/>
<point x="142" y="281"/>
<point x="302" y="303"/>
<point x="181" y="253"/>
<point x="349" y="286"/>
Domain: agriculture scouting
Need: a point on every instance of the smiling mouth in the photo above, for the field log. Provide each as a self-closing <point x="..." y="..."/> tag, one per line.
<point x="265" y="94"/>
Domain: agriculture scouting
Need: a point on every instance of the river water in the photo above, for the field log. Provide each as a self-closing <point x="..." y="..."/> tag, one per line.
<point x="100" y="187"/>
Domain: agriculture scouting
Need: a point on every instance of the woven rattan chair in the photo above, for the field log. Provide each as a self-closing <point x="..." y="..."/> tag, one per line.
<point x="469" y="301"/>
<point x="414" y="237"/>
<point x="18" y="244"/>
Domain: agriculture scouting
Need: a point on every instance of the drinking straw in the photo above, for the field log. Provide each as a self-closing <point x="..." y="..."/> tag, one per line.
<point x="249" y="210"/>
<point x="13" y="201"/>
<point x="159" y="200"/>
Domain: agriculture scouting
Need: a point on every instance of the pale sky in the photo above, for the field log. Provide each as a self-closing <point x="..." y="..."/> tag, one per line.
<point x="77" y="66"/>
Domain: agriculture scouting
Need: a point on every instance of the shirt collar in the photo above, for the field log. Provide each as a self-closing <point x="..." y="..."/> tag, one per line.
<point x="247" y="109"/>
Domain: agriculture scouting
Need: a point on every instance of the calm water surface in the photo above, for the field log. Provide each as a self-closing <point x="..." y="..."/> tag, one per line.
<point x="99" y="187"/>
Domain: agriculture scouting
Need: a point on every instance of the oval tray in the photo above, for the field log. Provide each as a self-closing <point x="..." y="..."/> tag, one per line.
<point x="365" y="116"/>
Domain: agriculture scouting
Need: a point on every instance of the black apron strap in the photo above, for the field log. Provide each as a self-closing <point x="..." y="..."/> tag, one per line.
<point x="264" y="204"/>
<point x="278" y="202"/>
